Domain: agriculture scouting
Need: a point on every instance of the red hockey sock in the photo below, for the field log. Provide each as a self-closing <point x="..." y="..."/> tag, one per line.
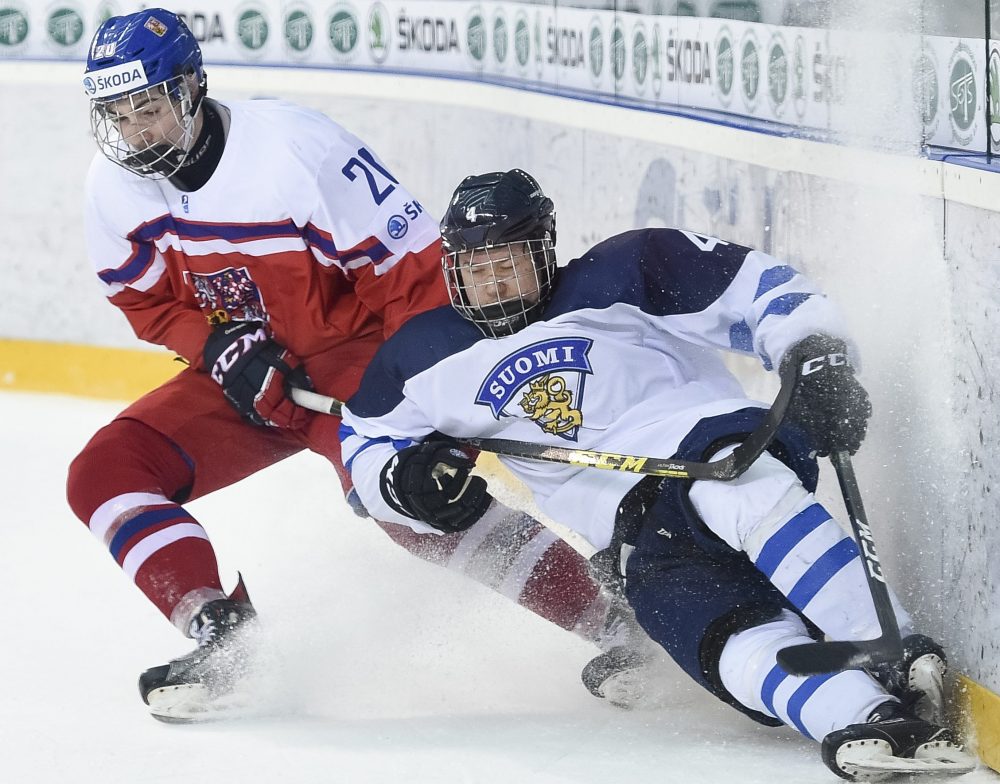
<point x="121" y="486"/>
<point x="517" y="556"/>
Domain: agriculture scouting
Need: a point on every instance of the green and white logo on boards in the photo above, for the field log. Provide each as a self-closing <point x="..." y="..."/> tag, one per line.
<point x="299" y="30"/>
<point x="725" y="66"/>
<point x="522" y="41"/>
<point x="14" y="27"/>
<point x="379" y="33"/>
<point x="750" y="70"/>
<point x="595" y="49"/>
<point x="64" y="26"/>
<point x="777" y="74"/>
<point x="618" y="53"/>
<point x="475" y="35"/>
<point x="252" y="30"/>
<point x="342" y="31"/>
<point x="640" y="57"/>
<point x="962" y="91"/>
<point x="501" y="38"/>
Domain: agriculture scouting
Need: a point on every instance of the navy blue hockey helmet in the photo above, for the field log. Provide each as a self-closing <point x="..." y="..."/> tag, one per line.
<point x="147" y="60"/>
<point x="492" y="221"/>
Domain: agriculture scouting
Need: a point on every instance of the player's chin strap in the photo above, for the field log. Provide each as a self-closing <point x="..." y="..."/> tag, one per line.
<point x="730" y="467"/>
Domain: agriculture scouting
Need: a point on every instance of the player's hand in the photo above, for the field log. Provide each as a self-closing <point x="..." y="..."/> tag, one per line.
<point x="432" y="482"/>
<point x="256" y="373"/>
<point x="829" y="403"/>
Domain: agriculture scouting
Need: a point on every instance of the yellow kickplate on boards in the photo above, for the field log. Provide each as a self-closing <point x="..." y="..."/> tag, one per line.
<point x="85" y="371"/>
<point x="978" y="711"/>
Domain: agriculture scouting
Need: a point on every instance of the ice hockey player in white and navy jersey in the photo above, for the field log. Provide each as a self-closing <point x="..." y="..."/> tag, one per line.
<point x="619" y="351"/>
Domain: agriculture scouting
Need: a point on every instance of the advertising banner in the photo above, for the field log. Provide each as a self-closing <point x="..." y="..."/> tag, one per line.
<point x="791" y="79"/>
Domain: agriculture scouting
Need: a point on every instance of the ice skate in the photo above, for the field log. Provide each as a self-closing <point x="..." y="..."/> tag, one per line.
<point x="616" y="676"/>
<point x="200" y="685"/>
<point x="633" y="672"/>
<point x="918" y="680"/>
<point x="895" y="744"/>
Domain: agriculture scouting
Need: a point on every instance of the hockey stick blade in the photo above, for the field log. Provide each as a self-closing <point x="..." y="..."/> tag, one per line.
<point x="730" y="467"/>
<point x="817" y="658"/>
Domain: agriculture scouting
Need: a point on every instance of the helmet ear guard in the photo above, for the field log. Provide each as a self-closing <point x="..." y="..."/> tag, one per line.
<point x="492" y="220"/>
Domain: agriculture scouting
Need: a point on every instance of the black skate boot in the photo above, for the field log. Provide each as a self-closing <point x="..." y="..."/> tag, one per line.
<point x="198" y="686"/>
<point x="918" y="680"/>
<point x="893" y="744"/>
<point x="616" y="676"/>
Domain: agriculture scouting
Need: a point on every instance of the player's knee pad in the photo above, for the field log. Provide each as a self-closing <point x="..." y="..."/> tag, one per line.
<point x="126" y="456"/>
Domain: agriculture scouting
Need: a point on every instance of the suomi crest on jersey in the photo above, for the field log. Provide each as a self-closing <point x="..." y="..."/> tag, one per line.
<point x="543" y="381"/>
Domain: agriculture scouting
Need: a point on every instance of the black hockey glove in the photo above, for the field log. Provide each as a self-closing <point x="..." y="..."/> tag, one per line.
<point x="256" y="373"/>
<point x="432" y="482"/>
<point x="828" y="403"/>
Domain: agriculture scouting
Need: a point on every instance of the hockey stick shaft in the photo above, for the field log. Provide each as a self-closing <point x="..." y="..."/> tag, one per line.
<point x="730" y="467"/>
<point x="822" y="657"/>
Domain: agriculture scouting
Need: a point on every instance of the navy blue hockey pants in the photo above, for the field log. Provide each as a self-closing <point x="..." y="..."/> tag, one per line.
<point x="690" y="590"/>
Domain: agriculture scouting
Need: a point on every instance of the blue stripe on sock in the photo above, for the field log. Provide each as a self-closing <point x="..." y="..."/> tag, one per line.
<point x="789" y="535"/>
<point x="799" y="698"/>
<point x="819" y="574"/>
<point x="141" y="521"/>
<point x="771" y="683"/>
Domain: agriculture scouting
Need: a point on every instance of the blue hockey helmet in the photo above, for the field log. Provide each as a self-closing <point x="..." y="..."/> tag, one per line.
<point x="494" y="221"/>
<point x="146" y="59"/>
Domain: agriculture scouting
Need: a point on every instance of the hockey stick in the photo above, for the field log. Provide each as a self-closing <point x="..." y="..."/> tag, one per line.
<point x="730" y="467"/>
<point x="821" y="657"/>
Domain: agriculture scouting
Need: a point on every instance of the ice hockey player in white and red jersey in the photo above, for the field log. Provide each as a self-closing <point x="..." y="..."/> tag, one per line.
<point x="620" y="351"/>
<point x="269" y="248"/>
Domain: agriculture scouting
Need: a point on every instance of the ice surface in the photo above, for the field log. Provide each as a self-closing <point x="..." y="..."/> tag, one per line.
<point x="380" y="668"/>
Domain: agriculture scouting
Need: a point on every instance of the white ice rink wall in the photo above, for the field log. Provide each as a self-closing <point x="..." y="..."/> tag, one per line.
<point x="907" y="245"/>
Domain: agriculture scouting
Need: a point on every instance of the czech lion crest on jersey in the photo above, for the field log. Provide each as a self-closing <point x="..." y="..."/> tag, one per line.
<point x="231" y="291"/>
<point x="543" y="382"/>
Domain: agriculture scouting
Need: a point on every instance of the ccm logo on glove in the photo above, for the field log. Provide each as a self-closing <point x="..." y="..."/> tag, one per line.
<point x="243" y="341"/>
<point x="256" y="374"/>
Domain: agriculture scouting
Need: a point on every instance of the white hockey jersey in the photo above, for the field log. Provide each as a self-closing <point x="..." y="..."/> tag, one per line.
<point x="626" y="360"/>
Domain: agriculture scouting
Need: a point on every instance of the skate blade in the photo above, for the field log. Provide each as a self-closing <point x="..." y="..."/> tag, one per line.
<point x="192" y="703"/>
<point x="873" y="761"/>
